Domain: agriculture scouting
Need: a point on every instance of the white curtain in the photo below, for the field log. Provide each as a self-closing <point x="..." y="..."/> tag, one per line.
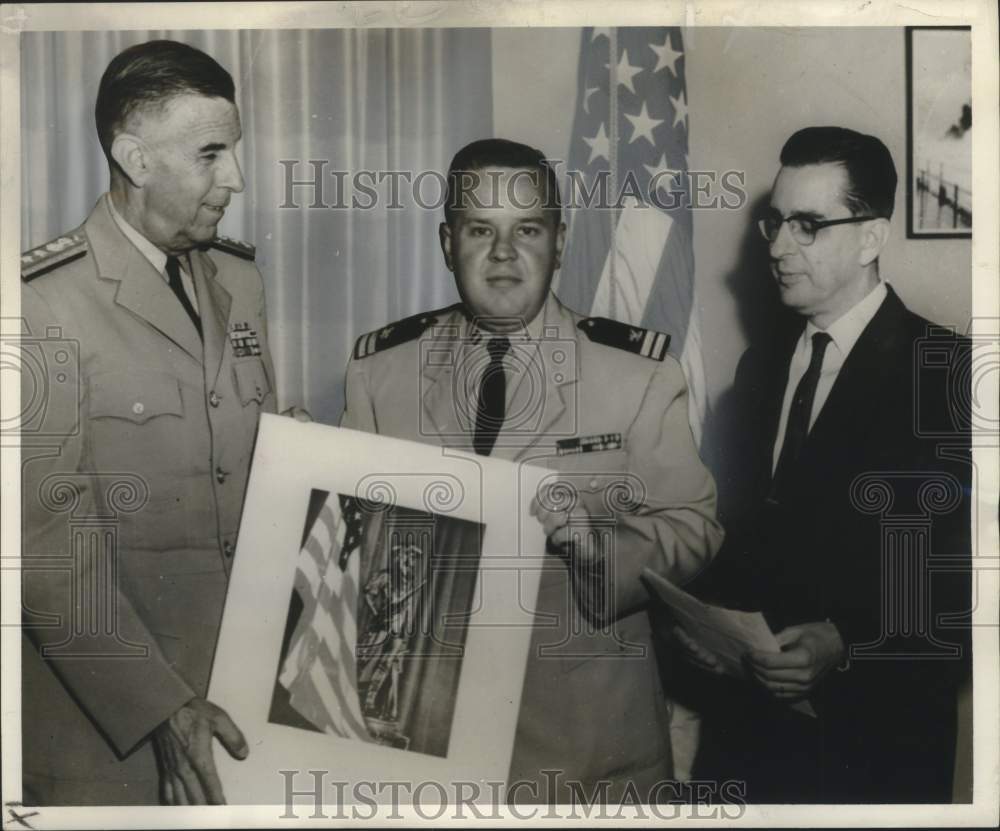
<point x="356" y="99"/>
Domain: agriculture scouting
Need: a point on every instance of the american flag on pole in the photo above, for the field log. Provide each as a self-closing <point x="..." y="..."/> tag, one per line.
<point x="634" y="261"/>
<point x="320" y="670"/>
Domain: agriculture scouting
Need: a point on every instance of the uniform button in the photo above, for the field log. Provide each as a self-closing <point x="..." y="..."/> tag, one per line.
<point x="138" y="408"/>
<point x="220" y="475"/>
<point x="227" y="548"/>
<point x="213" y="398"/>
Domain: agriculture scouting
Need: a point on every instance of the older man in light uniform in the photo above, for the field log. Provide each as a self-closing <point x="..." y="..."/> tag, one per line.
<point x="155" y="356"/>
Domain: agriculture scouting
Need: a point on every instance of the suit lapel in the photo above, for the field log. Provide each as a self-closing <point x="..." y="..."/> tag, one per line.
<point x="214" y="303"/>
<point x="860" y="378"/>
<point x="141" y="289"/>
<point x="773" y="398"/>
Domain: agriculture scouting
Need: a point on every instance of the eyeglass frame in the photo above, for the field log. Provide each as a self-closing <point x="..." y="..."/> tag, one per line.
<point x="817" y="225"/>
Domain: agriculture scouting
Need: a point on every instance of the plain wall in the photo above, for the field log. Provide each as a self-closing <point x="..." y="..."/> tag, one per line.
<point x="749" y="90"/>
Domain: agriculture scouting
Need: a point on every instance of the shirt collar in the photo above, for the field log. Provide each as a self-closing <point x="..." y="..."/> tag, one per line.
<point x="533" y="331"/>
<point x="155" y="256"/>
<point x="846" y="329"/>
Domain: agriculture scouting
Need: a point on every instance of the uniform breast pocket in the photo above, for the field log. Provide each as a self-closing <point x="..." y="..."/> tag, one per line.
<point x="252" y="383"/>
<point x="600" y="480"/>
<point x="136" y="422"/>
<point x="135" y="397"/>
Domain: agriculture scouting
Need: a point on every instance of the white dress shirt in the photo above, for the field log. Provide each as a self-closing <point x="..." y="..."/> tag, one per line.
<point x="844" y="333"/>
<point x="156" y="257"/>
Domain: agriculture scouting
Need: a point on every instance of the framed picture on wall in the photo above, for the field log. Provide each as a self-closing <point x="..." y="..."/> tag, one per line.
<point x="938" y="131"/>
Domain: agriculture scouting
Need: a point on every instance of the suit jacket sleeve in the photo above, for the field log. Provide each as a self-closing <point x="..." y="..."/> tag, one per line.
<point x="734" y="579"/>
<point x="125" y="695"/>
<point x="674" y="530"/>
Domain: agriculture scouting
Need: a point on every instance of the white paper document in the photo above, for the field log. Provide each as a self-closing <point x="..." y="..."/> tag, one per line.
<point x="726" y="633"/>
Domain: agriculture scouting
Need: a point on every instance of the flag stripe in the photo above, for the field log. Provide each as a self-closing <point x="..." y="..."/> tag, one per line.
<point x="320" y="670"/>
<point x="308" y="567"/>
<point x="335" y="625"/>
<point x="334" y="696"/>
<point x="640" y="237"/>
<point x="632" y="258"/>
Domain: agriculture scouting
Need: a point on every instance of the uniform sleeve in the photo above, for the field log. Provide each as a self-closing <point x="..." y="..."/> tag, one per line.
<point x="83" y="626"/>
<point x="268" y="405"/>
<point x="672" y="527"/>
<point x="359" y="409"/>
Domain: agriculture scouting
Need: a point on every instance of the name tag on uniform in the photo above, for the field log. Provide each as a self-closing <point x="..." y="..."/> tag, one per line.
<point x="244" y="340"/>
<point x="589" y="444"/>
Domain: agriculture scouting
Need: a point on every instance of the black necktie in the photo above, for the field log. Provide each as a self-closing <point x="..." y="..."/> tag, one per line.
<point x="797" y="427"/>
<point x="492" y="398"/>
<point x="174" y="279"/>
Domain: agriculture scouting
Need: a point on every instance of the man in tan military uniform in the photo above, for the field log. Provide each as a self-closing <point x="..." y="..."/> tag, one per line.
<point x="604" y="406"/>
<point x="150" y="368"/>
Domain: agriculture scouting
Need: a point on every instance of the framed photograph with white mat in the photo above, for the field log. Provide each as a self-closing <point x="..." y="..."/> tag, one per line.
<point x="378" y="619"/>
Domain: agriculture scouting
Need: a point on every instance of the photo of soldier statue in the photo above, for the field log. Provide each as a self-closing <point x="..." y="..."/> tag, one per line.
<point x="395" y="599"/>
<point x="377" y="623"/>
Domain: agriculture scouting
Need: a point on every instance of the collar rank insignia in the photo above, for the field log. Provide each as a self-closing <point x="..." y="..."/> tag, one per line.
<point x="394" y="334"/>
<point x="589" y="444"/>
<point x="52" y="255"/>
<point x="238" y="248"/>
<point x="244" y="340"/>
<point x="645" y="342"/>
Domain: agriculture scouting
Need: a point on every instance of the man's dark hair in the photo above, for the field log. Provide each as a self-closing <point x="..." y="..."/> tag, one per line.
<point x="148" y="75"/>
<point x="498" y="152"/>
<point x="871" y="175"/>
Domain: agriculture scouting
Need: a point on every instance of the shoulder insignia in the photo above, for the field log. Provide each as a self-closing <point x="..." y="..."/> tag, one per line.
<point x="52" y="255"/>
<point x="394" y="334"/>
<point x="236" y="247"/>
<point x="645" y="342"/>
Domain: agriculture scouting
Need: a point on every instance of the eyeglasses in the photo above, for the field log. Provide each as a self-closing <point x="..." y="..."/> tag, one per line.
<point x="802" y="228"/>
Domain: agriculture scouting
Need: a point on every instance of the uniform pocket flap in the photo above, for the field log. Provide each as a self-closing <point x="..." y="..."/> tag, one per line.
<point x="251" y="381"/>
<point x="592" y="471"/>
<point x="133" y="396"/>
<point x="600" y="481"/>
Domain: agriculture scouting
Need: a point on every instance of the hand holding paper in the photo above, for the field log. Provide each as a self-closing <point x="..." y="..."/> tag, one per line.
<point x="696" y="653"/>
<point x="726" y="641"/>
<point x="808" y="652"/>
<point x="183" y="745"/>
<point x="548" y="508"/>
<point x="298" y="413"/>
<point x="725" y="634"/>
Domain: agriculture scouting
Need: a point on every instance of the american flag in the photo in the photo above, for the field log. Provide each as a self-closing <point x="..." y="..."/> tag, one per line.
<point x="635" y="264"/>
<point x="320" y="671"/>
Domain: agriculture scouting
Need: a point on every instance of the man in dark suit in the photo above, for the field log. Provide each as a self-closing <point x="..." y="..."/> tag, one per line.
<point x="846" y="511"/>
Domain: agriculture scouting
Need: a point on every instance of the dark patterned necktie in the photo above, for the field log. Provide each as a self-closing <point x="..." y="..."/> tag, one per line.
<point x="174" y="279"/>
<point x="491" y="406"/>
<point x="797" y="427"/>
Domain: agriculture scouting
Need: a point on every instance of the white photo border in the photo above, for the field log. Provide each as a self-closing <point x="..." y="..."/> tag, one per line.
<point x="979" y="14"/>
